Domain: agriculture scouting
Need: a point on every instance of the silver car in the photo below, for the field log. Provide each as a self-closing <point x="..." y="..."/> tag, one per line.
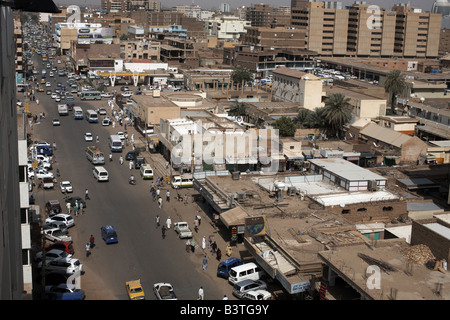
<point x="244" y="286"/>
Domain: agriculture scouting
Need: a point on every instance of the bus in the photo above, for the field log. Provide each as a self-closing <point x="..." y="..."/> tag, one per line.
<point x="182" y="181"/>
<point x="115" y="143"/>
<point x="94" y="155"/>
<point x="77" y="113"/>
<point x="91" y="116"/>
<point x="90" y="95"/>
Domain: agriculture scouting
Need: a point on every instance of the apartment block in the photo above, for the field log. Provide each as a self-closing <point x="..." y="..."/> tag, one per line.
<point x="364" y="30"/>
<point x="275" y="37"/>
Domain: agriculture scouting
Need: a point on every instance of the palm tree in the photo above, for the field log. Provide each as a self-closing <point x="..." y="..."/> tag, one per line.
<point x="238" y="110"/>
<point x="337" y="113"/>
<point x="302" y="119"/>
<point x="394" y="85"/>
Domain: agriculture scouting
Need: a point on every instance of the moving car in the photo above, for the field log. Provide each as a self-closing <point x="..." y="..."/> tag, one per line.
<point x="88" y="136"/>
<point x="65" y="186"/>
<point x="56" y="122"/>
<point x="183" y="230"/>
<point x="64" y="291"/>
<point x="135" y="290"/>
<point x="101" y="111"/>
<point x="109" y="235"/>
<point x="164" y="291"/>
<point x="131" y="155"/>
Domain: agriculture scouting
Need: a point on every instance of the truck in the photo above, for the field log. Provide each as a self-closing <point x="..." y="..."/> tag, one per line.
<point x="63" y="110"/>
<point x="183" y="230"/>
<point x="55" y="234"/>
<point x="48" y="183"/>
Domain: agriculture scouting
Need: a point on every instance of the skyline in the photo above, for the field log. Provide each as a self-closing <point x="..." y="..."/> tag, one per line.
<point x="425" y="5"/>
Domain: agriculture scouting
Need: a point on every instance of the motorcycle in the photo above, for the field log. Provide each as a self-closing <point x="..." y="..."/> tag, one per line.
<point x="132" y="181"/>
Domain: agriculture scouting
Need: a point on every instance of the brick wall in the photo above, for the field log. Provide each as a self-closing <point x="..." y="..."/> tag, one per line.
<point x="438" y="244"/>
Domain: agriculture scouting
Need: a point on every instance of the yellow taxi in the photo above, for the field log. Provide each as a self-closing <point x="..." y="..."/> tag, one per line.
<point x="40" y="89"/>
<point x="135" y="290"/>
<point x="43" y="81"/>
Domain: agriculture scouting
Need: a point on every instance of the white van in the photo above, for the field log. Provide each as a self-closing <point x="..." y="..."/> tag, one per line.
<point x="115" y="143"/>
<point x="146" y="171"/>
<point x="100" y="174"/>
<point x="247" y="271"/>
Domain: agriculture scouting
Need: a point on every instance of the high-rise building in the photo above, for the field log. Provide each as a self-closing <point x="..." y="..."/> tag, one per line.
<point x="367" y="31"/>
<point x="442" y="7"/>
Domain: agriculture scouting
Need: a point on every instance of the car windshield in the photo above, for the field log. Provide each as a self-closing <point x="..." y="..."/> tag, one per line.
<point x="111" y="234"/>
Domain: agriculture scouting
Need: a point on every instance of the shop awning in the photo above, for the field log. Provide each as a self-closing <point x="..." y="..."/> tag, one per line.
<point x="234" y="217"/>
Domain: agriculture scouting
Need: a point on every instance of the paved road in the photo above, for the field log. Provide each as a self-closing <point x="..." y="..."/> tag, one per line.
<point x="141" y="251"/>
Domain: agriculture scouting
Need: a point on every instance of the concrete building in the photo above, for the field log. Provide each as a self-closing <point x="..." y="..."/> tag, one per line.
<point x="297" y="86"/>
<point x="226" y="27"/>
<point x="275" y="38"/>
<point x="401" y="32"/>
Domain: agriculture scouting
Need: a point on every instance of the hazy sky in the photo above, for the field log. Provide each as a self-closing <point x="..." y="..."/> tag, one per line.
<point x="208" y="4"/>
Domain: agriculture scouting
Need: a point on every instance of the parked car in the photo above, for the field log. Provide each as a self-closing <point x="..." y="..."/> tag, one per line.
<point x="65" y="186"/>
<point x="164" y="291"/>
<point x="244" y="286"/>
<point x="50" y="255"/>
<point x="109" y="234"/>
<point x="52" y="207"/>
<point x="61" y="245"/>
<point x="64" y="265"/>
<point x="257" y="295"/>
<point x="50" y="224"/>
<point x="39" y="173"/>
<point x="64" y="291"/>
<point x="67" y="219"/>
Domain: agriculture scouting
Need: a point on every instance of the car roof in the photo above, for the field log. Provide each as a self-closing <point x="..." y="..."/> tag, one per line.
<point x="108" y="228"/>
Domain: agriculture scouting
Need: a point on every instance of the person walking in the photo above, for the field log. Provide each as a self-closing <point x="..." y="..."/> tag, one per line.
<point x="75" y="208"/>
<point x="157" y="219"/>
<point x="218" y="254"/>
<point x="88" y="249"/>
<point x="168" y="222"/>
<point x="131" y="164"/>
<point x="168" y="196"/>
<point x="196" y="224"/>
<point x="160" y="203"/>
<point x="86" y="195"/>
<point x="97" y="139"/>
<point x="204" y="243"/>
<point x="81" y="208"/>
<point x="205" y="262"/>
<point x="121" y="160"/>
<point x="193" y="245"/>
<point x="68" y="205"/>
<point x="188" y="246"/>
<point x="201" y="294"/>
<point x="154" y="194"/>
<point x="186" y="199"/>
<point x="213" y="247"/>
<point x="91" y="241"/>
<point x="163" y="231"/>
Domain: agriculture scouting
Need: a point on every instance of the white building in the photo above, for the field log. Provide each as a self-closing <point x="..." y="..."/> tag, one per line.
<point x="226" y="28"/>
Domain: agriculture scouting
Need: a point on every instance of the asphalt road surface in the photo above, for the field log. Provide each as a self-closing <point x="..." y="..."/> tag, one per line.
<point x="141" y="252"/>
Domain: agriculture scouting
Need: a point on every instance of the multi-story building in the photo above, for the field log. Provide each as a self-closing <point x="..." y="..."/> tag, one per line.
<point x="259" y="15"/>
<point x="141" y="49"/>
<point x="275" y="37"/>
<point x="367" y="31"/>
<point x="226" y="27"/>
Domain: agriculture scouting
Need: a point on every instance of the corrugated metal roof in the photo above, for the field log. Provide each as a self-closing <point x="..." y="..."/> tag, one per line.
<point x="385" y="135"/>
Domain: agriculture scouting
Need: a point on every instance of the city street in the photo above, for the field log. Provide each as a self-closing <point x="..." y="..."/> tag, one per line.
<point x="141" y="252"/>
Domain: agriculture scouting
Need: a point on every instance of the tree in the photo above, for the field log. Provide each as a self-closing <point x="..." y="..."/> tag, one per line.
<point x="238" y="110"/>
<point x="302" y="120"/>
<point x="242" y="73"/>
<point x="285" y="126"/>
<point x="394" y="85"/>
<point x="123" y="36"/>
<point x="337" y="113"/>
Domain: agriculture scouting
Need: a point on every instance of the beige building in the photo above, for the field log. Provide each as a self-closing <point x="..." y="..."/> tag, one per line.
<point x="297" y="86"/>
<point x="364" y="30"/>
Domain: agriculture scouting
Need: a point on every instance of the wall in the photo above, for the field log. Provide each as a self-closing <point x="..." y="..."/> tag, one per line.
<point x="438" y="244"/>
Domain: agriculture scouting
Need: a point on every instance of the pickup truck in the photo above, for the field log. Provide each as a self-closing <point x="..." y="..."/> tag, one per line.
<point x="55" y="234"/>
<point x="183" y="230"/>
<point x="48" y="183"/>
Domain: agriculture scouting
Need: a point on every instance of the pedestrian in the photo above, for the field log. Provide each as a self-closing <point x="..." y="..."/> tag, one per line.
<point x="204" y="243"/>
<point x="132" y="138"/>
<point x="81" y="207"/>
<point x="163" y="231"/>
<point x="186" y="199"/>
<point x="201" y="294"/>
<point x="121" y="160"/>
<point x="154" y="194"/>
<point x="157" y="182"/>
<point x="54" y="145"/>
<point x="160" y="204"/>
<point x="168" y="196"/>
<point x="158" y="192"/>
<point x="188" y="246"/>
<point x="75" y="208"/>
<point x="196" y="224"/>
<point x="205" y="262"/>
<point x="110" y="157"/>
<point x="97" y="139"/>
<point x="218" y="254"/>
<point x="114" y="124"/>
<point x="91" y="241"/>
<point x="225" y="297"/>
<point x="86" y="196"/>
<point x="213" y="247"/>
<point x="68" y="205"/>
<point x="131" y="164"/>
<point x="229" y="250"/>
<point x="168" y="222"/>
<point x="199" y="220"/>
<point x="88" y="249"/>
<point x="157" y="221"/>
<point x="193" y="243"/>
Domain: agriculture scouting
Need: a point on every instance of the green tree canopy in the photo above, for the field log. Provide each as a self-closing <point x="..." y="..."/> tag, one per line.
<point x="285" y="126"/>
<point x="337" y="113"/>
<point x="238" y="110"/>
<point x="242" y="73"/>
<point x="394" y="85"/>
<point x="303" y="119"/>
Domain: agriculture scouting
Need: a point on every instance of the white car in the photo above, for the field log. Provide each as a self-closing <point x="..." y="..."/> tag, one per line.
<point x="164" y="291"/>
<point x="65" y="186"/>
<point x="56" y="122"/>
<point x="54" y="94"/>
<point x="67" y="219"/>
<point x="88" y="136"/>
<point x="50" y="255"/>
<point x="43" y="158"/>
<point x="41" y="173"/>
<point x="121" y="135"/>
<point x="58" y="98"/>
<point x="48" y="84"/>
<point x="106" y="95"/>
<point x="64" y="265"/>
